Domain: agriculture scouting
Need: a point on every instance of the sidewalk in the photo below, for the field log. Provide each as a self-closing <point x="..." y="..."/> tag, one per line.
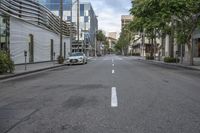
<point x="31" y="68"/>
<point x="186" y="66"/>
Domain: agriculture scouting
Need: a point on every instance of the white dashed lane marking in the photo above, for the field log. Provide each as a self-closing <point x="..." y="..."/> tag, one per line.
<point x="113" y="71"/>
<point x="114" y="102"/>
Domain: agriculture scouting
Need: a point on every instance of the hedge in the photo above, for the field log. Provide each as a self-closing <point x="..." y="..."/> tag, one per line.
<point x="171" y="60"/>
<point x="149" y="58"/>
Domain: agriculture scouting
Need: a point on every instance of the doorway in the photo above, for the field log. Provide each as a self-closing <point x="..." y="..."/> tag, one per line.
<point x="199" y="47"/>
<point x="31" y="49"/>
<point x="64" y="50"/>
<point x="52" y="50"/>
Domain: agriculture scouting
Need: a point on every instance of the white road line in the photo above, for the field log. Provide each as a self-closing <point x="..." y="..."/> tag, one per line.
<point x="114" y="102"/>
<point x="112" y="60"/>
<point x="113" y="71"/>
<point x="113" y="65"/>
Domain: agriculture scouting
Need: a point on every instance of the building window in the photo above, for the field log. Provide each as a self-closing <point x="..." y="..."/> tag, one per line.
<point x="4" y="33"/>
<point x="86" y="19"/>
<point x="54" y="5"/>
<point x="81" y="9"/>
<point x="69" y="18"/>
<point x="31" y="48"/>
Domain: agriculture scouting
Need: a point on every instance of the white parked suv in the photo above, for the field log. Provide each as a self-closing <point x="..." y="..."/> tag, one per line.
<point x="77" y="58"/>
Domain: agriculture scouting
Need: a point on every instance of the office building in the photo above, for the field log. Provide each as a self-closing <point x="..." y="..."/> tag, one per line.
<point x="125" y="19"/>
<point x="88" y="23"/>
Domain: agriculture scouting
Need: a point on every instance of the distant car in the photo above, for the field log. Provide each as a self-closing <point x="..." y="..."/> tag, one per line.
<point x="77" y="58"/>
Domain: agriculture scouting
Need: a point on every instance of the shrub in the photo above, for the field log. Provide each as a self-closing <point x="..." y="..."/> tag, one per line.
<point x="149" y="58"/>
<point x="171" y="60"/>
<point x="60" y="60"/>
<point x="6" y="64"/>
<point x="136" y="54"/>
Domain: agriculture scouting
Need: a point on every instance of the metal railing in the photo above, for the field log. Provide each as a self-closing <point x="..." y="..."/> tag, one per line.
<point x="35" y="13"/>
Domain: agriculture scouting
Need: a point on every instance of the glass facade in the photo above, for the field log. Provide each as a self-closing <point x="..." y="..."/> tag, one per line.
<point x="4" y="33"/>
<point x="82" y="9"/>
<point x="54" y="5"/>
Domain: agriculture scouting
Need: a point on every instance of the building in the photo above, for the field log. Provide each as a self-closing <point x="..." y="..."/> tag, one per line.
<point x="125" y="19"/>
<point x="88" y="23"/>
<point x="112" y="42"/>
<point x="28" y="27"/>
<point x="112" y="35"/>
<point x="145" y="47"/>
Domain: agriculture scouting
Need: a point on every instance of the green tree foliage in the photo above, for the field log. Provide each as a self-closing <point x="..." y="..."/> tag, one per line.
<point x="100" y="36"/>
<point x="102" y="39"/>
<point x="6" y="64"/>
<point x="123" y="41"/>
<point x="167" y="17"/>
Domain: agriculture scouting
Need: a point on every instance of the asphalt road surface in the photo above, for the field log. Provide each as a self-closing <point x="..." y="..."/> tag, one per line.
<point x="111" y="94"/>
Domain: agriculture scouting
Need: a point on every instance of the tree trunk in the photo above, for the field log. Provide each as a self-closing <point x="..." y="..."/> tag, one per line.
<point x="151" y="54"/>
<point x="190" y="52"/>
<point x="155" y="47"/>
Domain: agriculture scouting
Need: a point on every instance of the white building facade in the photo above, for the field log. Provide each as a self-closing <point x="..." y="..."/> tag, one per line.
<point x="31" y="33"/>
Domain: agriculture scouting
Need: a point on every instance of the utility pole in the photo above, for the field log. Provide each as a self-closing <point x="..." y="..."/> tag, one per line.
<point x="71" y="28"/>
<point x="78" y="15"/>
<point x="95" y="42"/>
<point x="61" y="25"/>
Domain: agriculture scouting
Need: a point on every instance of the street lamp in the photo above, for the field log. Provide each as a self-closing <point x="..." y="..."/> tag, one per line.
<point x="61" y="26"/>
<point x="78" y="14"/>
<point x="71" y="23"/>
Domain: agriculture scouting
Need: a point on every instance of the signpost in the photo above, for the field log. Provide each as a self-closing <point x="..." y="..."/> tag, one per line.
<point x="25" y="56"/>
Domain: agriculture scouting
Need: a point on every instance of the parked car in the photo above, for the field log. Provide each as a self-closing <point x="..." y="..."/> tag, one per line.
<point x="77" y="58"/>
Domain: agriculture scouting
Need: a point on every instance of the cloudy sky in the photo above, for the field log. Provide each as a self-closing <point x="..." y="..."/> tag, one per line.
<point x="109" y="13"/>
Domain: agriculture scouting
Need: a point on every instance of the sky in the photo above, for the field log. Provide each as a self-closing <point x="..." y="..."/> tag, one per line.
<point x="109" y="13"/>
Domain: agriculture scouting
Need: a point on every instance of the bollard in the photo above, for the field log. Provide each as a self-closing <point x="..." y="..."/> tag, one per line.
<point x="54" y="55"/>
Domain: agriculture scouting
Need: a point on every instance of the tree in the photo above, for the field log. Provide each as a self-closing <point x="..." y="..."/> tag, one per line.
<point x="123" y="41"/>
<point x="161" y="16"/>
<point x="101" y="38"/>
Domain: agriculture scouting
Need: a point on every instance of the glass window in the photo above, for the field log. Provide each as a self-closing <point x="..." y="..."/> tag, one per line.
<point x="69" y="18"/>
<point x="4" y="32"/>
<point x="54" y="5"/>
<point x="86" y="19"/>
<point x="81" y="9"/>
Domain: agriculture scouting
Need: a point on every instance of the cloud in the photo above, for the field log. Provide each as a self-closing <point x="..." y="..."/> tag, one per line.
<point x="109" y="13"/>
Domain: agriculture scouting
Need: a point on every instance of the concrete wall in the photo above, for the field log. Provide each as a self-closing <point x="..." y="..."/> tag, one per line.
<point x="19" y="41"/>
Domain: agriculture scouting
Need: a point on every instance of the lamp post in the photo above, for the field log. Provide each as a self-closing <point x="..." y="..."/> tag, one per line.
<point x="78" y="14"/>
<point x="71" y="22"/>
<point x="61" y="26"/>
<point x="95" y="43"/>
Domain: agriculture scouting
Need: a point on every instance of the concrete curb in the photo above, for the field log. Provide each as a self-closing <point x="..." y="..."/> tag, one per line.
<point x="33" y="71"/>
<point x="169" y="64"/>
<point x="29" y="72"/>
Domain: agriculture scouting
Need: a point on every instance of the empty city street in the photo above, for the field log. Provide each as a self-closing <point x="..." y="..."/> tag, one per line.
<point x="110" y="94"/>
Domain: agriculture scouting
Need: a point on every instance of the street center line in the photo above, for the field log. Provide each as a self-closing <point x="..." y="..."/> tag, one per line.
<point x="114" y="102"/>
<point x="113" y="71"/>
<point x="113" y="65"/>
<point x="112" y="60"/>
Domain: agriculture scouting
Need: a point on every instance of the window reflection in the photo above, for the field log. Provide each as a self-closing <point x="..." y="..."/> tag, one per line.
<point x="4" y="33"/>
